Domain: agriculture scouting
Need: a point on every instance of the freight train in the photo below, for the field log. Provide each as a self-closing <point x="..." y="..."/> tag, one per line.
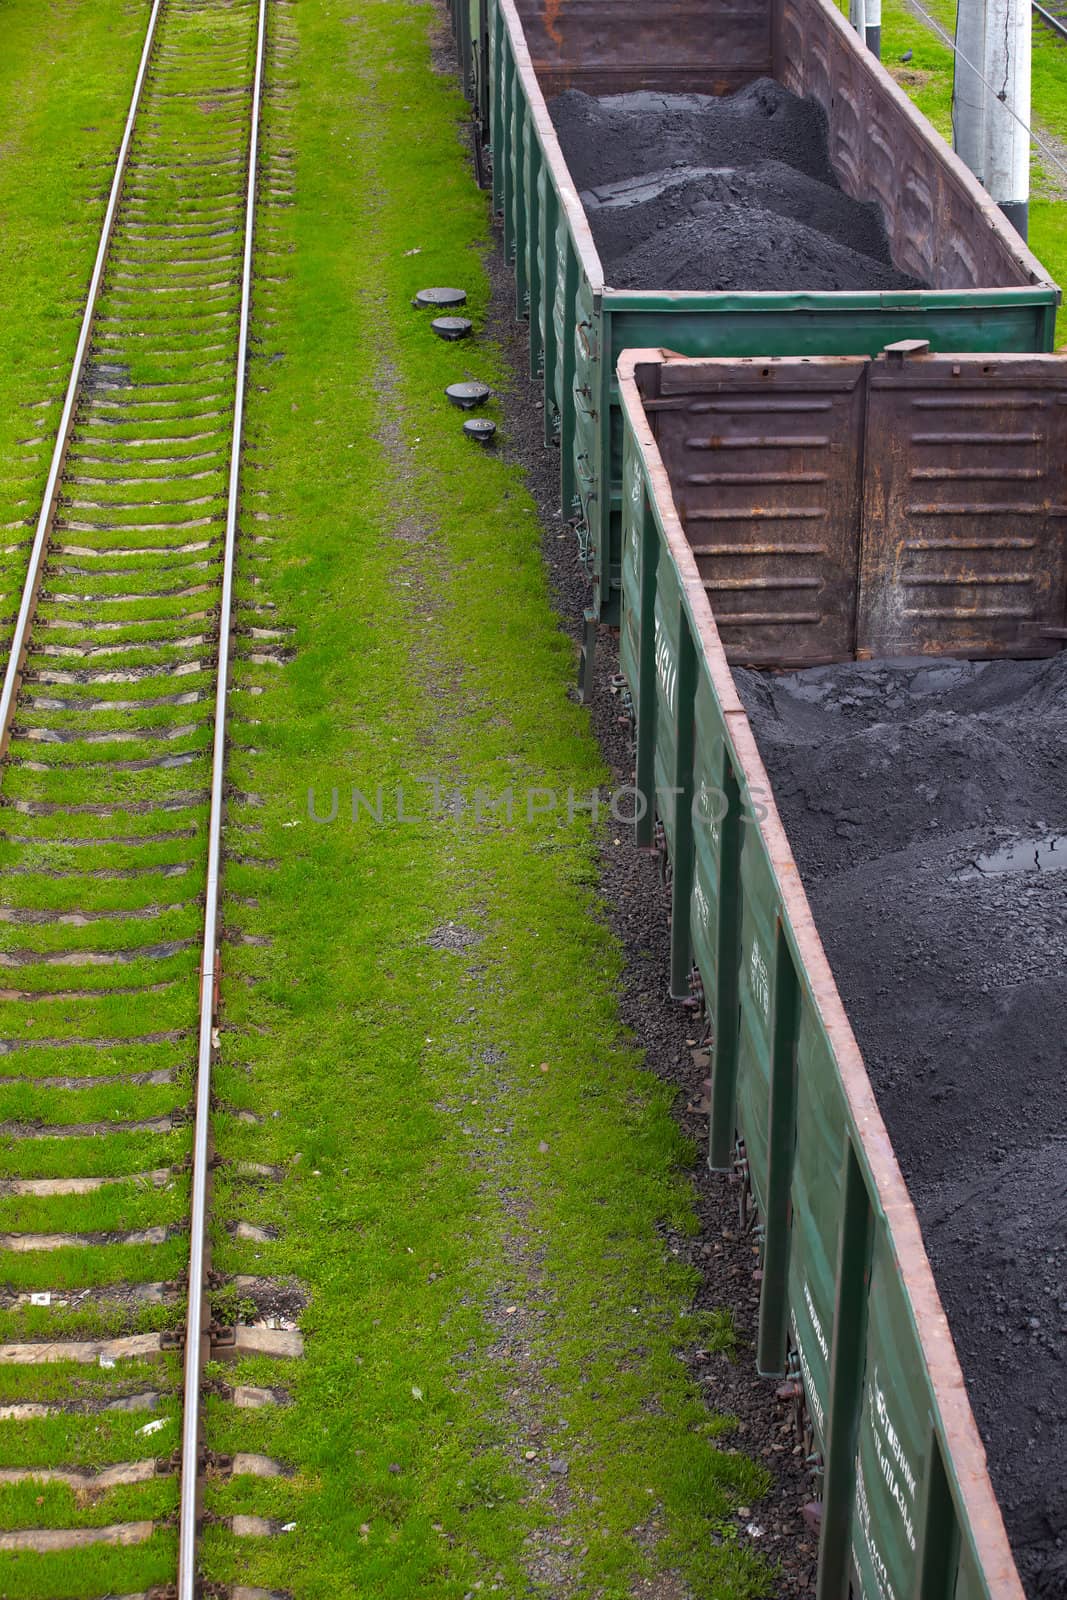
<point x="841" y="477"/>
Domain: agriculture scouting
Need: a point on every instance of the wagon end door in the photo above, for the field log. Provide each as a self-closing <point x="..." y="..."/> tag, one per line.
<point x="765" y="458"/>
<point x="965" y="509"/>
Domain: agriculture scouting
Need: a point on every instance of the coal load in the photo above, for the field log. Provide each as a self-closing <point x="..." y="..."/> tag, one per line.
<point x="702" y="192"/>
<point x="927" y="808"/>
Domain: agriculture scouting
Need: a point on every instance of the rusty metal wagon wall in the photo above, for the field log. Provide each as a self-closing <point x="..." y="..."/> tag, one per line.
<point x="839" y="507"/>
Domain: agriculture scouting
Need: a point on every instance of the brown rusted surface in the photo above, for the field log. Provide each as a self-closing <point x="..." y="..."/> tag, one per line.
<point x="965" y="505"/>
<point x="764" y="462"/>
<point x="892" y="1201"/>
<point x="612" y="46"/>
<point x="839" y="507"/>
<point x="942" y="225"/>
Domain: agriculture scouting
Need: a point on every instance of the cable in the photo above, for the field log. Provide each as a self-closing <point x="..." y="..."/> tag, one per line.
<point x="943" y="34"/>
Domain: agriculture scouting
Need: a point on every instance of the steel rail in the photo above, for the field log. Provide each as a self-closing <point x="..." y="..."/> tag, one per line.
<point x="1057" y="23"/>
<point x="20" y="637"/>
<point x="196" y="1333"/>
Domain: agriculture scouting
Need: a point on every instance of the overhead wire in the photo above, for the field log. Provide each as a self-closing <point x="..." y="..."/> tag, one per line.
<point x="944" y="34"/>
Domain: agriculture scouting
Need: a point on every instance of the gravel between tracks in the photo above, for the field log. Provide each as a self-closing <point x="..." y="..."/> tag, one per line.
<point x="699" y="192"/>
<point x="924" y="802"/>
<point x="637" y="906"/>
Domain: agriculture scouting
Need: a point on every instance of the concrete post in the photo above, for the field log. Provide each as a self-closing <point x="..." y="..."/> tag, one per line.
<point x="857" y="15"/>
<point x="872" y="26"/>
<point x="1007" y="71"/>
<point x="968" y="91"/>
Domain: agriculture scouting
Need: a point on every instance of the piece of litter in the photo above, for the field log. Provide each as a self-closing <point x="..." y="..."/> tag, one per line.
<point x="107" y="1362"/>
<point x="42" y="1299"/>
<point x="531" y="1455"/>
<point x="416" y="1391"/>
<point x="153" y="1426"/>
<point x="509" y="1311"/>
<point x="416" y="252"/>
<point x="288" y="1527"/>
<point x="216" y="1039"/>
<point x="290" y="824"/>
<point x="754" y="1530"/>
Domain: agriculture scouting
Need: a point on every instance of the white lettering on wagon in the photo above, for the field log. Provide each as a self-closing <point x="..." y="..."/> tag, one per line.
<point x="633" y="519"/>
<point x="815" y="1322"/>
<point x="892" y="1461"/>
<point x="874" y="1556"/>
<point x="559" y="298"/>
<point x="759" y="979"/>
<point x="703" y="909"/>
<point x="810" y="1391"/>
<point x="635" y="479"/>
<point x="666" y="671"/>
<point x="709" y="808"/>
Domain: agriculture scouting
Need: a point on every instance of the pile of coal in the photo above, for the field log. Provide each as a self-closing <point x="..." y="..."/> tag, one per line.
<point x="702" y="192"/>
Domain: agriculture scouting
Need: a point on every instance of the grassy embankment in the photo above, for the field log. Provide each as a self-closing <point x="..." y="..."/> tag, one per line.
<point x="477" y="1169"/>
<point x="66" y="74"/>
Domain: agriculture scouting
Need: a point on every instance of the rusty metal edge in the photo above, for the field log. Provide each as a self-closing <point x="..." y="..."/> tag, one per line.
<point x="197" y="1344"/>
<point x="965" y="1456"/>
<point x="551" y="151"/>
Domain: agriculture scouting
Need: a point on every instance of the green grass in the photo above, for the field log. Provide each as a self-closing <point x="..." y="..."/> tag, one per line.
<point x="101" y="972"/>
<point x="479" y="1170"/>
<point x="66" y="74"/>
<point x="927" y="78"/>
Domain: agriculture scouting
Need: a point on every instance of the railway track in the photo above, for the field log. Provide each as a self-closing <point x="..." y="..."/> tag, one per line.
<point x="112" y="793"/>
<point x="1053" y="15"/>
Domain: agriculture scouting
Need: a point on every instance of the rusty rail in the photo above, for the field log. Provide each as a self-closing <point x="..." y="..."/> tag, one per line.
<point x="197" y="1336"/>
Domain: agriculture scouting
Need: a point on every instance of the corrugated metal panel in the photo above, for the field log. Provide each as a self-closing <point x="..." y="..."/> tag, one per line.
<point x="965" y="505"/>
<point x="764" y="459"/>
<point x="835" y="506"/>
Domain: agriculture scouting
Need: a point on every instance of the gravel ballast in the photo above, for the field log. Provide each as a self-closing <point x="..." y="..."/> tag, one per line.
<point x="702" y="192"/>
<point x="926" y="804"/>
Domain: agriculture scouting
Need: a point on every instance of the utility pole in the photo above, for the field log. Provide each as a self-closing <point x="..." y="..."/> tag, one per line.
<point x="991" y="100"/>
<point x="866" y="17"/>
<point x="1007" y="71"/>
<point x="968" y="90"/>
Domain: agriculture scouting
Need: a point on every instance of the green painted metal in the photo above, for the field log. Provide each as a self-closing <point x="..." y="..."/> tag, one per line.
<point x="847" y="1299"/>
<point x="531" y="183"/>
<point x="772" y="1342"/>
